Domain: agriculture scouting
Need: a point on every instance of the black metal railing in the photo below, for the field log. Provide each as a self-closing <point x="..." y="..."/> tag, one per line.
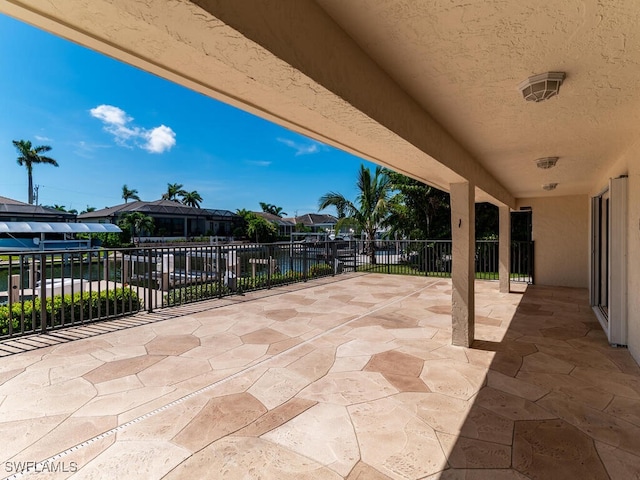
<point x="433" y="258"/>
<point x="45" y="291"/>
<point x="189" y="274"/>
<point x="522" y="261"/>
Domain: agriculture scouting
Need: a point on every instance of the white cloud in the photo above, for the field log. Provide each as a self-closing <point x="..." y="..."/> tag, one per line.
<point x="85" y="150"/>
<point x="117" y="122"/>
<point x="110" y="115"/>
<point x="258" y="163"/>
<point x="159" y="139"/>
<point x="300" y="148"/>
<point x="43" y="139"/>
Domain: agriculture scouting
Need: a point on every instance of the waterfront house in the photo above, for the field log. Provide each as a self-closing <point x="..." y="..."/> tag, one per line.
<point x="171" y="219"/>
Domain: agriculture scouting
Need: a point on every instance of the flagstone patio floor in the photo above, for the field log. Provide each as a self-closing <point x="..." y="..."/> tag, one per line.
<point x="346" y="378"/>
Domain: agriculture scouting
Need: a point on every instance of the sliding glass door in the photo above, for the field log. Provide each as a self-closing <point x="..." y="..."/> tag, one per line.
<point x="600" y="254"/>
<point x="609" y="259"/>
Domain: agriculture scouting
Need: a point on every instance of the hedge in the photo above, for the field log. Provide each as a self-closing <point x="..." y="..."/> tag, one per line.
<point x="82" y="305"/>
<point x="204" y="291"/>
<point x="194" y="293"/>
<point x="320" y="270"/>
<point x="264" y="281"/>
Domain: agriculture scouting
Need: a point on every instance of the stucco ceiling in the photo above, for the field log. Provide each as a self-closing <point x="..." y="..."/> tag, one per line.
<point x="462" y="61"/>
<point x="426" y="87"/>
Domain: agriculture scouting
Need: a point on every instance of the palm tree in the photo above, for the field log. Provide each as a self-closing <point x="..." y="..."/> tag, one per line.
<point x="129" y="193"/>
<point x="174" y="190"/>
<point x="278" y="212"/>
<point x="372" y="204"/>
<point x="29" y="156"/>
<point x="418" y="209"/>
<point x="266" y="207"/>
<point x="254" y="226"/>
<point x="245" y="215"/>
<point x="136" y="223"/>
<point x="243" y="212"/>
<point x="261" y="228"/>
<point x="192" y="199"/>
<point x="272" y="209"/>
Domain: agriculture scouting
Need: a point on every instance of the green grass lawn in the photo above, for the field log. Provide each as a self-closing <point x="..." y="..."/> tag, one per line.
<point x="408" y="270"/>
<point x="399" y="270"/>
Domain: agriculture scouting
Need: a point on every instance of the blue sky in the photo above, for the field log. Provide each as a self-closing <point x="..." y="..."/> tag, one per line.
<point x="110" y="124"/>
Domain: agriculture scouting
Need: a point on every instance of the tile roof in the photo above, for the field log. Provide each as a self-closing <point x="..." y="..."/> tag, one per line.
<point x="166" y="207"/>
<point x="9" y="206"/>
<point x="274" y="218"/>
<point x="11" y="201"/>
<point x="315" y="219"/>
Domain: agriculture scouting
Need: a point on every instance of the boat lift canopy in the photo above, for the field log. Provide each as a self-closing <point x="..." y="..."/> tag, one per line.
<point x="57" y="227"/>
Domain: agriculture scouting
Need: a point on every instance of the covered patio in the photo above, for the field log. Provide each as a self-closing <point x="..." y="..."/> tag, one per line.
<point x="382" y="376"/>
<point x="354" y="378"/>
<point x="464" y="96"/>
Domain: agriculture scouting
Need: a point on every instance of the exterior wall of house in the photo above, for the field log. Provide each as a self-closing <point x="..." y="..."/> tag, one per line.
<point x="561" y="236"/>
<point x="629" y="164"/>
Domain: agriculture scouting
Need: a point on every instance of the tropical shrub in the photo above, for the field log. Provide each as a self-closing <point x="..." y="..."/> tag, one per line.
<point x="193" y="293"/>
<point x="108" y="240"/>
<point x="266" y="281"/>
<point x="82" y="306"/>
<point x="320" y="270"/>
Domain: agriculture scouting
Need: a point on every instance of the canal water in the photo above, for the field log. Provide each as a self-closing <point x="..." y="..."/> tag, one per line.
<point x="286" y="260"/>
<point x="91" y="272"/>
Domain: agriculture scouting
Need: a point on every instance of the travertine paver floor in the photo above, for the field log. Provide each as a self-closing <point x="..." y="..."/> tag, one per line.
<point x="354" y="379"/>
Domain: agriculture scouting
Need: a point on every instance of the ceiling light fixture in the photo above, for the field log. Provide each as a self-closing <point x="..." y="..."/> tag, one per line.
<point x="541" y="87"/>
<point x="546" y="162"/>
<point x="549" y="186"/>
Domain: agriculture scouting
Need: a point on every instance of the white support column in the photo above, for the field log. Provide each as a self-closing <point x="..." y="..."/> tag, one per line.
<point x="504" y="254"/>
<point x="463" y="263"/>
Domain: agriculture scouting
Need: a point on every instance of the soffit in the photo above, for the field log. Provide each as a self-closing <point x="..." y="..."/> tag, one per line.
<point x="462" y="62"/>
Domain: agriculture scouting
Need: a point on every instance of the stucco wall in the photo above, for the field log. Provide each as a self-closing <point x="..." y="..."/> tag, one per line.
<point x="561" y="235"/>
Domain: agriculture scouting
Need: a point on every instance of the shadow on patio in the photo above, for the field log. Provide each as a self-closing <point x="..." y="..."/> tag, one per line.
<point x="352" y="379"/>
<point x="559" y="402"/>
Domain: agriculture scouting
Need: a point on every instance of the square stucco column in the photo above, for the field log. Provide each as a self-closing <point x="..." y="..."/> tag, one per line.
<point x="504" y="254"/>
<point x="463" y="233"/>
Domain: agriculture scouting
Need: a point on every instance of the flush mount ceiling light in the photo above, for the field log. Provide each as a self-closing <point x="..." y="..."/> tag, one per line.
<point x="549" y="186"/>
<point x="546" y="162"/>
<point x="541" y="87"/>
